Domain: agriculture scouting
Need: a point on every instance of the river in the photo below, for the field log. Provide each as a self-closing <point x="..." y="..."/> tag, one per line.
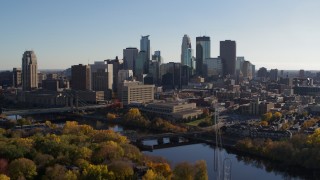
<point x="241" y="167"/>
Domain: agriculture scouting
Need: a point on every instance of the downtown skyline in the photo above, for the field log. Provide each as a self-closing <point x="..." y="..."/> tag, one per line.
<point x="65" y="33"/>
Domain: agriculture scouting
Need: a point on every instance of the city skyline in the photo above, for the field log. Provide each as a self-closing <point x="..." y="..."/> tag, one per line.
<point x="280" y="35"/>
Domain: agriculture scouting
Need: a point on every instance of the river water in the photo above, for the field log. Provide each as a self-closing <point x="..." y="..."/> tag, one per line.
<point x="241" y="168"/>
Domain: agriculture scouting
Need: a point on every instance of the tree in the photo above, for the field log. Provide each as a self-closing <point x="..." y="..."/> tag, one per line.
<point x="108" y="151"/>
<point x="266" y="116"/>
<point x="264" y="123"/>
<point x="183" y="171"/>
<point x="22" y="168"/>
<point x="4" y="177"/>
<point x="111" y="116"/>
<point x="277" y="115"/>
<point x="205" y="112"/>
<point x="151" y="175"/>
<point x="58" y="172"/>
<point x="3" y="166"/>
<point x="97" y="172"/>
<point x="200" y="170"/>
<point x="42" y="160"/>
<point x="161" y="168"/>
<point x="122" y="170"/>
<point x="314" y="139"/>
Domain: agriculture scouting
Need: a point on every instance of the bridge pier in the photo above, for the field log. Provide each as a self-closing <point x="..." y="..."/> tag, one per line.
<point x="160" y="140"/>
<point x="174" y="139"/>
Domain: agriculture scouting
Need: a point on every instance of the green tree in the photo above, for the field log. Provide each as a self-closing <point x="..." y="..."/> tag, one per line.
<point x="22" y="168"/>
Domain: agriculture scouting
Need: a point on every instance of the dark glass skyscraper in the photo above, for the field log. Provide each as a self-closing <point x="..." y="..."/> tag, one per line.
<point x="129" y="58"/>
<point x="228" y="54"/>
<point x="202" y="53"/>
<point x="145" y="46"/>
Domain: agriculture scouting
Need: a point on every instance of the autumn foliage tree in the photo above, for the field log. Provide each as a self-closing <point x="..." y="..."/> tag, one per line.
<point x="134" y="118"/>
<point x="22" y="168"/>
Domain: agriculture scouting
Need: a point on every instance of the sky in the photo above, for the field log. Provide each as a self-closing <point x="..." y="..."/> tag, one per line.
<point x="283" y="34"/>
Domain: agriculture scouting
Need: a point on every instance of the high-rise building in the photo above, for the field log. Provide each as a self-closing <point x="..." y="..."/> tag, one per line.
<point x="202" y="53"/>
<point x="301" y="73"/>
<point x="101" y="76"/>
<point x="228" y="54"/>
<point x="246" y="69"/>
<point x="262" y="72"/>
<point x="171" y="75"/>
<point x="130" y="55"/>
<point x="157" y="56"/>
<point x="239" y="63"/>
<point x="154" y="72"/>
<point x="145" y="46"/>
<point x="186" y="51"/>
<point x="117" y="65"/>
<point x="274" y="75"/>
<point x="140" y="66"/>
<point x="124" y="75"/>
<point x="29" y="71"/>
<point x="214" y="67"/>
<point x="81" y="77"/>
<point x="16" y="77"/>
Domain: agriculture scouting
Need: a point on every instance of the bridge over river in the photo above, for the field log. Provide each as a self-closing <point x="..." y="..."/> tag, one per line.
<point x="52" y="110"/>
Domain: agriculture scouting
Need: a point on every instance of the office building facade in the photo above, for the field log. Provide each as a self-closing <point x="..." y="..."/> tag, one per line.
<point x="81" y="77"/>
<point x="29" y="71"/>
<point x="202" y="52"/>
<point x="130" y="55"/>
<point x="228" y="55"/>
<point x="186" y="51"/>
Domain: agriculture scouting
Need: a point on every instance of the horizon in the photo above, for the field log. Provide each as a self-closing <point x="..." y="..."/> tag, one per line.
<point x="265" y="34"/>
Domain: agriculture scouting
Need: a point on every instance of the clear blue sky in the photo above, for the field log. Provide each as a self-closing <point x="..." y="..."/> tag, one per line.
<point x="283" y="34"/>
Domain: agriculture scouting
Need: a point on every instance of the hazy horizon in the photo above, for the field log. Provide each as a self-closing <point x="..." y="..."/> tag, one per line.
<point x="272" y="34"/>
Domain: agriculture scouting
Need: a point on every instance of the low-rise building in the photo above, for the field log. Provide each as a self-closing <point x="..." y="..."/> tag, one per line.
<point x="173" y="110"/>
<point x="135" y="91"/>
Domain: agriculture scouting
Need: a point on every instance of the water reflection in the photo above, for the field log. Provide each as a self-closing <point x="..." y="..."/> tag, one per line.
<point x="243" y="167"/>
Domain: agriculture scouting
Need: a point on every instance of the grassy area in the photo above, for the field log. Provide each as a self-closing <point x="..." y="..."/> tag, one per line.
<point x="196" y="122"/>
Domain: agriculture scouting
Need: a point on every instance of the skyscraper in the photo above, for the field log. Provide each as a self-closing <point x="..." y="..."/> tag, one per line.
<point x="81" y="77"/>
<point x="29" y="71"/>
<point x="145" y="46"/>
<point x="101" y="76"/>
<point x="186" y="51"/>
<point x="202" y="53"/>
<point x="130" y="55"/>
<point x="228" y="54"/>
<point x="16" y="77"/>
<point x="140" y="66"/>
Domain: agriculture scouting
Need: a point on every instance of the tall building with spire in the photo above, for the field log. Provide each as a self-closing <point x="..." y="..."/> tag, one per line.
<point x="186" y="51"/>
<point x="202" y="53"/>
<point x="29" y="71"/>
